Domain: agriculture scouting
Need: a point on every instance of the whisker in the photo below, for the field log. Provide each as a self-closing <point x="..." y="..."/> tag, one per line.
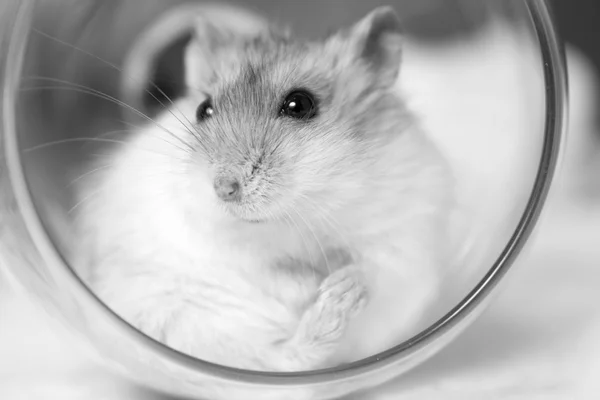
<point x="105" y="62"/>
<point x="287" y="220"/>
<point x="315" y="237"/>
<point x="104" y="96"/>
<point x="71" y="140"/>
<point x="303" y="239"/>
<point x="114" y="132"/>
<point x="88" y="173"/>
<point x="120" y="70"/>
<point x="134" y="128"/>
<point x="101" y="95"/>
<point x="85" y="200"/>
<point x="130" y="124"/>
<point x="97" y="140"/>
<point x="195" y="136"/>
<point x="96" y="93"/>
<point x="327" y="219"/>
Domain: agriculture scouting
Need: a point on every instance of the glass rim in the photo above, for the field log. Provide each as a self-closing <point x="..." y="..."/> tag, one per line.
<point x="554" y="68"/>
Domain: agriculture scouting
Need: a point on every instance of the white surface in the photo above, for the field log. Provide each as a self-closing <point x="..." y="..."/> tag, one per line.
<point x="539" y="340"/>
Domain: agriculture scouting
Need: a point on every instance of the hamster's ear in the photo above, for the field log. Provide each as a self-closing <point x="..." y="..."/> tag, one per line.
<point x="377" y="39"/>
<point x="210" y="46"/>
<point x="199" y="57"/>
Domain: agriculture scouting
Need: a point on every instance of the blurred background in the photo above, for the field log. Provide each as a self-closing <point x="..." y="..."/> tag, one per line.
<point x="539" y="340"/>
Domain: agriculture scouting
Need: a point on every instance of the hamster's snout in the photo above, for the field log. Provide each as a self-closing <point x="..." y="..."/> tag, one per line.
<point x="228" y="188"/>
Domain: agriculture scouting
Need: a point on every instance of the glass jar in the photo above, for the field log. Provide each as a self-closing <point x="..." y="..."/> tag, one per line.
<point x="95" y="45"/>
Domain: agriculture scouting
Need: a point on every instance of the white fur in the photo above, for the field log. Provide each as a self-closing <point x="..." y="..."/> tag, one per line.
<point x="166" y="257"/>
<point x="193" y="279"/>
<point x="166" y="254"/>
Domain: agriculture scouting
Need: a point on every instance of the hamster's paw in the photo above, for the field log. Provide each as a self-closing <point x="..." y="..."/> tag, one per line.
<point x="341" y="296"/>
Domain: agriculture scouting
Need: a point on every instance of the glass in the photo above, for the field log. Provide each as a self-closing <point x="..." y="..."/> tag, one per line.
<point x="33" y="202"/>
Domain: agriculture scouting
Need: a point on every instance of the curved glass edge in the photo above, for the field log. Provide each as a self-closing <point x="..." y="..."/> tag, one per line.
<point x="369" y="371"/>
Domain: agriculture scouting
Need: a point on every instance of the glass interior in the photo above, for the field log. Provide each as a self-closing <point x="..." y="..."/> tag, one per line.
<point x="470" y="68"/>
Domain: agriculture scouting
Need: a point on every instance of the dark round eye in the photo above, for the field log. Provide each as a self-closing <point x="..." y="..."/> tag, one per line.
<point x="205" y="110"/>
<point x="299" y="104"/>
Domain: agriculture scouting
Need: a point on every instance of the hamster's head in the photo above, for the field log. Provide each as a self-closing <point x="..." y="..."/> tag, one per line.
<point x="285" y="127"/>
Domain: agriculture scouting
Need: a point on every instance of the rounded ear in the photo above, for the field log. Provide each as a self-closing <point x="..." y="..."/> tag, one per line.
<point x="200" y="53"/>
<point x="377" y="40"/>
<point x="211" y="37"/>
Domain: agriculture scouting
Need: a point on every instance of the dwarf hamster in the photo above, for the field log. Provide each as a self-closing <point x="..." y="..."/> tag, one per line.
<point x="280" y="209"/>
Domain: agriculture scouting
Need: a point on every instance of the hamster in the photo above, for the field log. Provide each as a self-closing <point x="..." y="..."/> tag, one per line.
<point x="285" y="203"/>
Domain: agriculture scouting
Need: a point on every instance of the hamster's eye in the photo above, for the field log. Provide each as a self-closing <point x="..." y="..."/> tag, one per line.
<point x="204" y="110"/>
<point x="299" y="104"/>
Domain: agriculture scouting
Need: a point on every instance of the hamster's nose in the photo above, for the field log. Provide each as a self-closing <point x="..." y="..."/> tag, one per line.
<point x="228" y="189"/>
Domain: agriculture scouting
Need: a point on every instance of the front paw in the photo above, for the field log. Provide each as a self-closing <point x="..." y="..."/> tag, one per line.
<point x="342" y="295"/>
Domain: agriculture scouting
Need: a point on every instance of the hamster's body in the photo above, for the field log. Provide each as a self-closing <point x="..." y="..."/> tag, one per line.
<point x="202" y="282"/>
<point x="343" y="205"/>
